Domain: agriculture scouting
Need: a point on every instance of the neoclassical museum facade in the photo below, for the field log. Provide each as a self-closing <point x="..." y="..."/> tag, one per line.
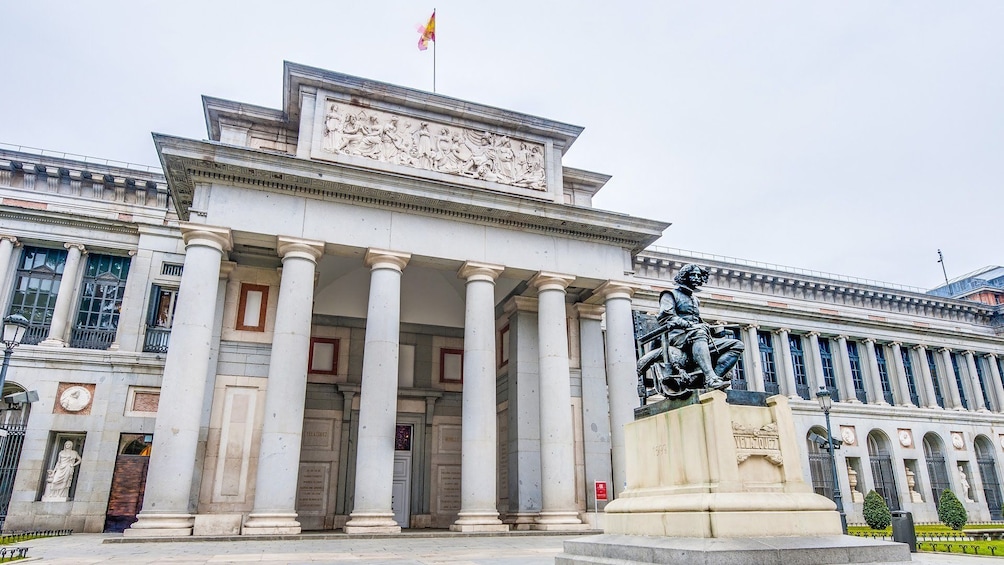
<point x="377" y="308"/>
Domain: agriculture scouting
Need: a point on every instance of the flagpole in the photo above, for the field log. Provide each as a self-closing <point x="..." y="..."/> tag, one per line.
<point x="434" y="42"/>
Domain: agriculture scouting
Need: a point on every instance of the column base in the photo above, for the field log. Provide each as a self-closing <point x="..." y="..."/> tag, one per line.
<point x="559" y="521"/>
<point x="479" y="522"/>
<point x="52" y="343"/>
<point x="161" y="526"/>
<point x="521" y="521"/>
<point x="372" y="523"/>
<point x="278" y="523"/>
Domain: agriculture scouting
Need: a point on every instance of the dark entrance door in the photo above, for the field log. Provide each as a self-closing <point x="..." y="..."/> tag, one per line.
<point x="988" y="472"/>
<point x="128" y="481"/>
<point x="12" y="429"/>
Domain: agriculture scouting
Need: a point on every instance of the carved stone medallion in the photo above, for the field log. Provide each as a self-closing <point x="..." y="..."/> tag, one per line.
<point x="905" y="438"/>
<point x="482" y="155"/>
<point x="848" y="435"/>
<point x="75" y="399"/>
<point x="762" y="441"/>
<point x="958" y="441"/>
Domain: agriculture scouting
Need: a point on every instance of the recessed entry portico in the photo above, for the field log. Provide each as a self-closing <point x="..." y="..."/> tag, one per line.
<point x="390" y="292"/>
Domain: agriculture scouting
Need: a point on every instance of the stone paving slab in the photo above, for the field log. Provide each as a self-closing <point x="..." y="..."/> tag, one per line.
<point x="406" y="549"/>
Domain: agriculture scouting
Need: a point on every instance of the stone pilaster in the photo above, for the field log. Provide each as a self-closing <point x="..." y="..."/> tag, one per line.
<point x="479" y="447"/>
<point x="995" y="377"/>
<point x="844" y="359"/>
<point x="378" y="397"/>
<point x="869" y="346"/>
<point x="166" y="502"/>
<point x="953" y="383"/>
<point x="557" y="458"/>
<point x="786" y="365"/>
<point x="974" y="379"/>
<point x="279" y="463"/>
<point x="622" y="376"/>
<point x="64" y="297"/>
<point x="754" y="373"/>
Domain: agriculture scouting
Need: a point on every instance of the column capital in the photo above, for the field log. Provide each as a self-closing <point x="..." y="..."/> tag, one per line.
<point x="546" y="280"/>
<point x="589" y="311"/>
<point x="841" y="338"/>
<point x="969" y="353"/>
<point x="12" y="239"/>
<point x="919" y="347"/>
<point x="812" y="334"/>
<point x="753" y="327"/>
<point x="616" y="289"/>
<point x="220" y="239"/>
<point x="784" y="331"/>
<point x="944" y="350"/>
<point x="868" y="340"/>
<point x="990" y="355"/>
<point x="75" y="245"/>
<point x="226" y="267"/>
<point x="386" y="259"/>
<point x="294" y="247"/>
<point x="474" y="271"/>
<point x="520" y="304"/>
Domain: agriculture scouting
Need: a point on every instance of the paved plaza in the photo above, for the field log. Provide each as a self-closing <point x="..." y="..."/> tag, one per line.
<point x="86" y="549"/>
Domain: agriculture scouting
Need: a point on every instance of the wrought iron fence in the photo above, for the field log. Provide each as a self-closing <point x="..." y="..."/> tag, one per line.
<point x="11" y="441"/>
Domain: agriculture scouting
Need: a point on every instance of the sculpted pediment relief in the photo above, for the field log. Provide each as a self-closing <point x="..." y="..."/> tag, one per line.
<point x="423" y="144"/>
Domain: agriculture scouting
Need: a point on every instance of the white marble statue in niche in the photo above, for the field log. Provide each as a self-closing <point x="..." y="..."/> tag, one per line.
<point x="392" y="139"/>
<point x="58" y="479"/>
<point x="964" y="485"/>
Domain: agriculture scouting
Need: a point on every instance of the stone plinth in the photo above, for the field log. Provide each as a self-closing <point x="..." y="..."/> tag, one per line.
<point x="718" y="470"/>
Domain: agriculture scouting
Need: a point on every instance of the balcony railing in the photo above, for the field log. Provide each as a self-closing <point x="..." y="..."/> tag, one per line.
<point x="35" y="334"/>
<point x="771" y="388"/>
<point x="803" y="391"/>
<point x="156" y="340"/>
<point x="91" y="338"/>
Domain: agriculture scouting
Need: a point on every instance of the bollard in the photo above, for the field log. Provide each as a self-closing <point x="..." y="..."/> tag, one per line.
<point x="902" y="529"/>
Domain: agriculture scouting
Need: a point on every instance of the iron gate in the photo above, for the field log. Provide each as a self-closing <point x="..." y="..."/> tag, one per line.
<point x="885" y="483"/>
<point x="938" y="472"/>
<point x="991" y="486"/>
<point x="11" y="441"/>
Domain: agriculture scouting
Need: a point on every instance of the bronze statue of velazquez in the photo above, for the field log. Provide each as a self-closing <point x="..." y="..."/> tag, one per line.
<point x="686" y="353"/>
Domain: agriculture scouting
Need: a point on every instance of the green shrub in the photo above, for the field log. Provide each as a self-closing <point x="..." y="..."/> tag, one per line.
<point x="877" y="514"/>
<point x="951" y="512"/>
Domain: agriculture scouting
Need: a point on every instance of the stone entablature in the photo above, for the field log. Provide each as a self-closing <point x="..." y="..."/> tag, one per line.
<point x="740" y="279"/>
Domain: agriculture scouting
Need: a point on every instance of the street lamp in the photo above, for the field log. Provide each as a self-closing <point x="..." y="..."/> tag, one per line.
<point x="826" y="402"/>
<point x="14" y="327"/>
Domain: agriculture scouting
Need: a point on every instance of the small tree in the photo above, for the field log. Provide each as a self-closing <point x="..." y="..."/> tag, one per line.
<point x="876" y="511"/>
<point x="951" y="512"/>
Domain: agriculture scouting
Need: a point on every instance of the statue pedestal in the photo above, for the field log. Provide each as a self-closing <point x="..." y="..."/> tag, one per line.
<point x="727" y="476"/>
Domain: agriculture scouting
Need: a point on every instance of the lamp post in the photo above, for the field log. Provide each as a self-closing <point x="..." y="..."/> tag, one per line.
<point x="826" y="402"/>
<point x="14" y="327"/>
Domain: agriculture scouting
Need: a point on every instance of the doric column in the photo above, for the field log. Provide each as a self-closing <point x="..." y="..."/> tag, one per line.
<point x="479" y="446"/>
<point x="873" y="371"/>
<point x="995" y="376"/>
<point x="557" y="457"/>
<point x="64" y="297"/>
<point x="596" y="407"/>
<point x="166" y="502"/>
<point x="622" y="376"/>
<point x="902" y="385"/>
<point x="279" y="457"/>
<point x="378" y="397"/>
<point x="926" y="377"/>
<point x="953" y="383"/>
<point x="817" y="363"/>
<point x="845" y="370"/>
<point x="754" y="376"/>
<point x="787" y="367"/>
<point x="974" y="378"/>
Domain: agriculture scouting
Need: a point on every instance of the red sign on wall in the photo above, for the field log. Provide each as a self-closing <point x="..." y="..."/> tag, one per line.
<point x="601" y="490"/>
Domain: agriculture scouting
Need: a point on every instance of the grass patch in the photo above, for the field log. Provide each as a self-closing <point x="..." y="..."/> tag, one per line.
<point x="990" y="548"/>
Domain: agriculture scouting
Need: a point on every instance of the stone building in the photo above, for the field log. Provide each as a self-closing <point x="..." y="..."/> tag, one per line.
<point x="370" y="310"/>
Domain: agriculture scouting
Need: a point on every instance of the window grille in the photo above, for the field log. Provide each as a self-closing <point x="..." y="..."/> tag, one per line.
<point x="829" y="376"/>
<point x="171" y="269"/>
<point x="883" y="369"/>
<point x="937" y="469"/>
<point x="856" y="376"/>
<point x="882" y="474"/>
<point x="938" y="396"/>
<point x="798" y="365"/>
<point x="958" y="380"/>
<point x="100" y="301"/>
<point x="766" y="343"/>
<point x="988" y="472"/>
<point x="981" y="376"/>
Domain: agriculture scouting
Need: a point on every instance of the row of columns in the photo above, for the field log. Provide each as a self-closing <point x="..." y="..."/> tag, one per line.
<point x="168" y="502"/>
<point x="870" y="368"/>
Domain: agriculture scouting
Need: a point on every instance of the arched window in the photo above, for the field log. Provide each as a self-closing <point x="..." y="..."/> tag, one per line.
<point x="882" y="474"/>
<point x="988" y="472"/>
<point x="934" y="454"/>
<point x="819" y="465"/>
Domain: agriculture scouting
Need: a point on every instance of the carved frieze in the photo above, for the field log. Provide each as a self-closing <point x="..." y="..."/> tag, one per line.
<point x="423" y="144"/>
<point x="762" y="441"/>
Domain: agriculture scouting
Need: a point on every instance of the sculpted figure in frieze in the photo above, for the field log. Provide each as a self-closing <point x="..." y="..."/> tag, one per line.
<point x="447" y="149"/>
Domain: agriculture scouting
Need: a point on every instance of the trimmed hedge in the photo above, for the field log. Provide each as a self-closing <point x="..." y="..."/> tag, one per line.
<point x="951" y="512"/>
<point x="876" y="511"/>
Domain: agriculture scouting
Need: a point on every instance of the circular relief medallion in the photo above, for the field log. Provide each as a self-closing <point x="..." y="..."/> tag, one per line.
<point x="904" y="438"/>
<point x="957" y="441"/>
<point x="847" y="434"/>
<point x="75" y="399"/>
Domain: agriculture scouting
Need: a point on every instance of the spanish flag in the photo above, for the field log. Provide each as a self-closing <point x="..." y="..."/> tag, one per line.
<point x="428" y="33"/>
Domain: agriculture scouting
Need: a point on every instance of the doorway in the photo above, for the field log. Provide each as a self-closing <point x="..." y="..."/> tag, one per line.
<point x="401" y="491"/>
<point x="128" y="481"/>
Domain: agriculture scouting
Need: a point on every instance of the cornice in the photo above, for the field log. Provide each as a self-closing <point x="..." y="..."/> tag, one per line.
<point x="188" y="161"/>
<point x="59" y="219"/>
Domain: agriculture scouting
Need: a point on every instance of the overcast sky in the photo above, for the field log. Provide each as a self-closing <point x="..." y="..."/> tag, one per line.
<point x="849" y="137"/>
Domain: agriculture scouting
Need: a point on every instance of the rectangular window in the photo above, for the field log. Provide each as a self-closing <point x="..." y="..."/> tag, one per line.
<point x="766" y="343"/>
<point x="856" y="376"/>
<point x="981" y="376"/>
<point x="739" y="371"/>
<point x="101" y="294"/>
<point x="36" y="285"/>
<point x="504" y="346"/>
<point x="251" y="307"/>
<point x="798" y="365"/>
<point x="829" y="375"/>
<point x="938" y="397"/>
<point x="159" y="319"/>
<point x="883" y="369"/>
<point x="958" y="380"/>
<point x="911" y="382"/>
<point x="451" y="365"/>
<point x="323" y="356"/>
